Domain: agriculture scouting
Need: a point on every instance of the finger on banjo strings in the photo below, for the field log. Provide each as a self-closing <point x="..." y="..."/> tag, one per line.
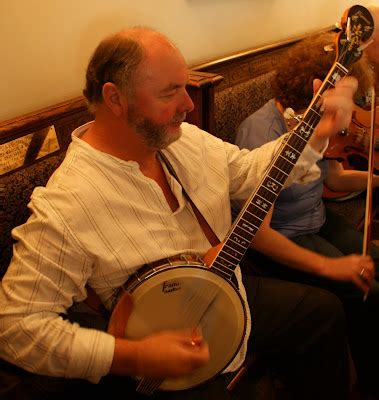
<point x="197" y="336"/>
<point x="197" y="333"/>
<point x="336" y="114"/>
<point x="348" y="84"/>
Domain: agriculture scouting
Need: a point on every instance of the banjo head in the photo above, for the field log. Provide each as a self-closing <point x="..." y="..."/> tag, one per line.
<point x="186" y="297"/>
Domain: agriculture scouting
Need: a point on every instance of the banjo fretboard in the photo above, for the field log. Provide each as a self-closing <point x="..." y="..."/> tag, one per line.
<point x="258" y="205"/>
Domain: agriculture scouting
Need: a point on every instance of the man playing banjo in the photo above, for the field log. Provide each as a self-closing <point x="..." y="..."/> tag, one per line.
<point x="115" y="205"/>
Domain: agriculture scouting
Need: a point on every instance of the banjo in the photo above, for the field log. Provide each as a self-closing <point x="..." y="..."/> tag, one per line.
<point x="192" y="293"/>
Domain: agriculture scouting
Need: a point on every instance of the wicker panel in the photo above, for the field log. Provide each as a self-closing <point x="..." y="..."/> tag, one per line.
<point x="234" y="104"/>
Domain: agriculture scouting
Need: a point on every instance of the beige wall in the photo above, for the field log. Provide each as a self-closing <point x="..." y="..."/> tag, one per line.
<point x="45" y="44"/>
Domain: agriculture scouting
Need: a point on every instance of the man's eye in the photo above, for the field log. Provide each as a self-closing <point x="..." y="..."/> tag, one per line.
<point x="169" y="95"/>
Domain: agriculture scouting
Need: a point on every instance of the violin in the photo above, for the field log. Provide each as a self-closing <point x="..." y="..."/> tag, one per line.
<point x="351" y="147"/>
<point x="355" y="139"/>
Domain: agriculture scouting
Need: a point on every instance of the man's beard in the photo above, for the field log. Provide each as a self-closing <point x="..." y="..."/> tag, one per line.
<point x="155" y="135"/>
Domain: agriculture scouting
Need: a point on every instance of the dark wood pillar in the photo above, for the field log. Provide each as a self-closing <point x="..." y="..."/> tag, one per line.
<point x="201" y="87"/>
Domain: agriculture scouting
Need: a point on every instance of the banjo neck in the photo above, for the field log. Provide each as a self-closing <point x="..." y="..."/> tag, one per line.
<point x="260" y="202"/>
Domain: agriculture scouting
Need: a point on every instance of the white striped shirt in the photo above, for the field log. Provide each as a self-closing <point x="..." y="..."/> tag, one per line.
<point x="97" y="221"/>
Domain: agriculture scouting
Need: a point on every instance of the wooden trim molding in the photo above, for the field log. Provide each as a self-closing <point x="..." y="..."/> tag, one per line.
<point x="240" y="67"/>
<point x="200" y="87"/>
<point x="27" y="123"/>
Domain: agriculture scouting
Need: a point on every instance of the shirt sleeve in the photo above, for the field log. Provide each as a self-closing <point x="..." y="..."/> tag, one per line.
<point x="247" y="168"/>
<point x="48" y="272"/>
<point x="264" y="125"/>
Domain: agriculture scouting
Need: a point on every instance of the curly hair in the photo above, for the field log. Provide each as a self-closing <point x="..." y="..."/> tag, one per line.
<point x="115" y="60"/>
<point x="307" y="60"/>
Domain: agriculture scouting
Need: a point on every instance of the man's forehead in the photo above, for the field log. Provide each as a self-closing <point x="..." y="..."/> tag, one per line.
<point x="169" y="82"/>
<point x="169" y="71"/>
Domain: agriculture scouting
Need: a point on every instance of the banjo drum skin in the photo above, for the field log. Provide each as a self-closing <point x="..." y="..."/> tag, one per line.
<point x="183" y="293"/>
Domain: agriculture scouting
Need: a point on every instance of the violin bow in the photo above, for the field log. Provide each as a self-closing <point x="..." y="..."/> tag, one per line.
<point x="369" y="195"/>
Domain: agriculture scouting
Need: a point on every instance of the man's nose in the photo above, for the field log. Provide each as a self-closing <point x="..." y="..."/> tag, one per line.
<point x="187" y="103"/>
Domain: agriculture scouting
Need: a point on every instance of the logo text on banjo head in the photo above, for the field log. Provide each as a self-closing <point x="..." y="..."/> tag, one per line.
<point x="170" y="286"/>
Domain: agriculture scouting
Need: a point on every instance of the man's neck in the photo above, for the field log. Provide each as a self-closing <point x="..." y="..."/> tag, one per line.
<point x="118" y="140"/>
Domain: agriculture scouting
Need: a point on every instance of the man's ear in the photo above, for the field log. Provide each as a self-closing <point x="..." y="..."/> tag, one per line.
<point x="113" y="98"/>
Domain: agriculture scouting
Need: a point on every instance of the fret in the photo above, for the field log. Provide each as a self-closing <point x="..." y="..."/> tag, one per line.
<point x="248" y="228"/>
<point x="224" y="269"/>
<point x="290" y="155"/>
<point x="253" y="216"/>
<point x="228" y="276"/>
<point x="226" y="266"/>
<point x="344" y="70"/>
<point x="253" y="209"/>
<point x="309" y="126"/>
<point x="304" y="133"/>
<point x="239" y="248"/>
<point x="248" y="235"/>
<point x="227" y="260"/>
<point x="278" y="174"/>
<point x="269" y="196"/>
<point x="274" y="181"/>
<point x="230" y="260"/>
<point x="272" y="186"/>
<point x="281" y="170"/>
<point x="233" y="251"/>
<point x="251" y="219"/>
<point x="331" y="83"/>
<point x="239" y="240"/>
<point x="295" y="143"/>
<point x="261" y="203"/>
<point x="313" y="113"/>
<point x="303" y="127"/>
<point x="316" y="111"/>
<point x="284" y="164"/>
<point x="247" y="225"/>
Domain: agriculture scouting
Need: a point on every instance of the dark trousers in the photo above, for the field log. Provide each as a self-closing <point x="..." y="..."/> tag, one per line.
<point x="298" y="329"/>
<point x="337" y="238"/>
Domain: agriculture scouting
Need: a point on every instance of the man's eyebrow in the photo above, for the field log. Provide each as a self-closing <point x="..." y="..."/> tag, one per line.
<point x="172" y="86"/>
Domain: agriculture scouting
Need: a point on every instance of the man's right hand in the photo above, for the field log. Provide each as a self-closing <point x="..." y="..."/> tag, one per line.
<point x="162" y="355"/>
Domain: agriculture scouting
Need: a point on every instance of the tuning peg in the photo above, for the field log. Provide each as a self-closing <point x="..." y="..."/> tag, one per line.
<point x="289" y="113"/>
<point x="348" y="30"/>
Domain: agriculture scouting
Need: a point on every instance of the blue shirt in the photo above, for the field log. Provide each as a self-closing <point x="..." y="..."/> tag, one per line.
<point x="299" y="209"/>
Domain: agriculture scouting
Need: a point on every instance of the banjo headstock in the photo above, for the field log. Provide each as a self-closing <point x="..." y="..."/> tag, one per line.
<point x="357" y="28"/>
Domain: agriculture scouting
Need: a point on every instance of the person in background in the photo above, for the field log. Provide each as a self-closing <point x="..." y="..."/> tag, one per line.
<point x="114" y="206"/>
<point x="302" y="240"/>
